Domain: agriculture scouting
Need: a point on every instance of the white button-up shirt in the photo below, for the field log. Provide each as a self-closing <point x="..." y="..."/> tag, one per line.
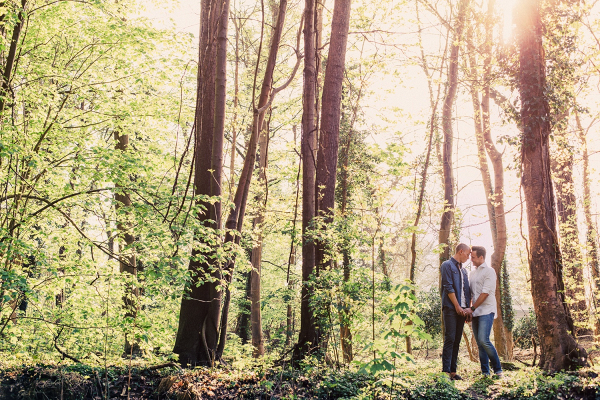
<point x="483" y="280"/>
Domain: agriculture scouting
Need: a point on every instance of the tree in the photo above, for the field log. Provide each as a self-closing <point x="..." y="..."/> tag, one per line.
<point x="494" y="189"/>
<point x="448" y="177"/>
<point x="308" y="338"/>
<point x="198" y="332"/>
<point x="559" y="350"/>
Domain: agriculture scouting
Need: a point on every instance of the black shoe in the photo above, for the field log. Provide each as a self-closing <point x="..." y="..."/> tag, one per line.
<point x="456" y="377"/>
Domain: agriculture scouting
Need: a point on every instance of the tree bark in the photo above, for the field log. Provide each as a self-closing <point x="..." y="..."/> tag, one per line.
<point x="307" y="338"/>
<point x="256" y="258"/>
<point x="566" y="204"/>
<point x="198" y="332"/>
<point x="127" y="264"/>
<point x="495" y="193"/>
<point x="330" y="124"/>
<point x="11" y="56"/>
<point x="452" y="85"/>
<point x="235" y="220"/>
<point x="591" y="234"/>
<point x="559" y="350"/>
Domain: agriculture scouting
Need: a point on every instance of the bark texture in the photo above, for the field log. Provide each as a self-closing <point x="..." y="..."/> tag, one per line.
<point x="307" y="338"/>
<point x="448" y="176"/>
<point x="494" y="189"/>
<point x="559" y="350"/>
<point x="198" y="331"/>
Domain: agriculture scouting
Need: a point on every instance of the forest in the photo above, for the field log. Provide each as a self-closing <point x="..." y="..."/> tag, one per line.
<point x="235" y="199"/>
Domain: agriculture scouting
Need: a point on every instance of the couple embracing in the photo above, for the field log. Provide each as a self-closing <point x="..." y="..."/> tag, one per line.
<point x="468" y="299"/>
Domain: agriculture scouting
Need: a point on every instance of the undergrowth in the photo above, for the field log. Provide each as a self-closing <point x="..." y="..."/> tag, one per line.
<point x="259" y="380"/>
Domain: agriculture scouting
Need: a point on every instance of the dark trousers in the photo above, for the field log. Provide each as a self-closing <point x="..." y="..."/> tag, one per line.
<point x="453" y="329"/>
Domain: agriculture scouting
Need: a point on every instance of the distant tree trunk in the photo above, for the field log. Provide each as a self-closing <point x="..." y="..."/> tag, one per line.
<point x="198" y="332"/>
<point x="344" y="317"/>
<point x="495" y="193"/>
<point x="255" y="318"/>
<point x="308" y="339"/>
<point x="559" y="350"/>
<point x="235" y="220"/>
<point x="591" y="234"/>
<point x="330" y="123"/>
<point x="452" y="85"/>
<point x="244" y="326"/>
<point x="11" y="57"/>
<point x="127" y="263"/>
<point x="566" y="204"/>
<point x="292" y="258"/>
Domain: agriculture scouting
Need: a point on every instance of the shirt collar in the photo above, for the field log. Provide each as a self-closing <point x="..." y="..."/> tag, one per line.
<point x="456" y="262"/>
<point x="482" y="265"/>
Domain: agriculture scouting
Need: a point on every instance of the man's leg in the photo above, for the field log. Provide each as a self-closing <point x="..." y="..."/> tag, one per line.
<point x="484" y="360"/>
<point x="460" y="323"/>
<point x="485" y="328"/>
<point x="450" y="317"/>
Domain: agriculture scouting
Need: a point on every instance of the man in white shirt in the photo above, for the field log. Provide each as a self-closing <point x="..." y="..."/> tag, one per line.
<point x="483" y="293"/>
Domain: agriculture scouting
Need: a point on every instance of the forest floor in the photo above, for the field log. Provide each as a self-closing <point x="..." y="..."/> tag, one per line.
<point x="419" y="380"/>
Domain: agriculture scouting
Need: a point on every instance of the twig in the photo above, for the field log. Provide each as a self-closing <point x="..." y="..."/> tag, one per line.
<point x="63" y="353"/>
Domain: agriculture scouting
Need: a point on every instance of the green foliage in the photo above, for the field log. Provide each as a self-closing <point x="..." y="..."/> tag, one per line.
<point x="402" y="322"/>
<point x="525" y="331"/>
<point x="508" y="314"/>
<point x="430" y="310"/>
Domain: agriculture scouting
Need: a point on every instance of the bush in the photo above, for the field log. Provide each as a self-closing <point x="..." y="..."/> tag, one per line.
<point x="525" y="330"/>
<point x="430" y="310"/>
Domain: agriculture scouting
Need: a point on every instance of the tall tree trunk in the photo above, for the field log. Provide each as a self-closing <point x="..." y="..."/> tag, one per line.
<point x="452" y="85"/>
<point x="307" y="339"/>
<point x="127" y="263"/>
<point x="344" y="317"/>
<point x="292" y="258"/>
<point x="559" y="350"/>
<point x="495" y="193"/>
<point x="11" y="56"/>
<point x="591" y="234"/>
<point x="198" y="332"/>
<point x="235" y="220"/>
<point x="330" y="123"/>
<point x="255" y="318"/>
<point x="566" y="204"/>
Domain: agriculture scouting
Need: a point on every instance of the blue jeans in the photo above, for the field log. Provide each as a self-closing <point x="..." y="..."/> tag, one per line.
<point x="453" y="329"/>
<point x="482" y="327"/>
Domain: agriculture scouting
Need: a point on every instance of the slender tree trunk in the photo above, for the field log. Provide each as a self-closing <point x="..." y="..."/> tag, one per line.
<point x="127" y="263"/>
<point x="330" y="123"/>
<point x="559" y="350"/>
<point x="235" y="220"/>
<point x="452" y="85"/>
<point x="307" y="339"/>
<point x="566" y="204"/>
<point x="244" y="326"/>
<point x="344" y="317"/>
<point x="292" y="258"/>
<point x="255" y="318"/>
<point x="591" y="234"/>
<point x="494" y="192"/>
<point x="12" y="56"/>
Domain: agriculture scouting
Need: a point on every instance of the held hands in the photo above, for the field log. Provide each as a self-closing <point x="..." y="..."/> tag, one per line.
<point x="464" y="312"/>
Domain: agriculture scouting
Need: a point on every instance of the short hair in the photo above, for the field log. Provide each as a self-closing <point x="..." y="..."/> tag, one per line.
<point x="462" y="246"/>
<point x="480" y="250"/>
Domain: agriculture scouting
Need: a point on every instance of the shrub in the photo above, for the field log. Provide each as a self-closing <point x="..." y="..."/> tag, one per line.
<point x="525" y="330"/>
<point x="430" y="310"/>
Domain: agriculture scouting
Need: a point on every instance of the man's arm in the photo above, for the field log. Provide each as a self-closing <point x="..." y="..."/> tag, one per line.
<point x="480" y="299"/>
<point x="489" y="285"/>
<point x="457" y="307"/>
